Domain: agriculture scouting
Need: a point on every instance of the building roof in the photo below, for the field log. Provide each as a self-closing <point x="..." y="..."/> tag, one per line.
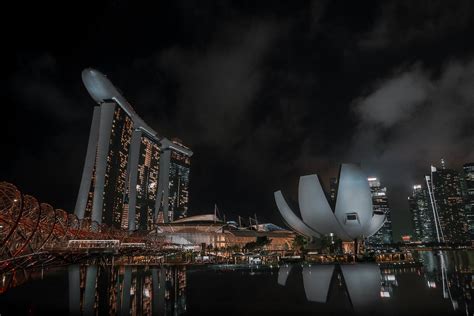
<point x="101" y="89"/>
<point x="205" y="218"/>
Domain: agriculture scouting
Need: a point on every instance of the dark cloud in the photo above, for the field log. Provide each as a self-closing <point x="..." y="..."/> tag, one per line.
<point x="413" y="119"/>
<point x="401" y="23"/>
<point x="216" y="86"/>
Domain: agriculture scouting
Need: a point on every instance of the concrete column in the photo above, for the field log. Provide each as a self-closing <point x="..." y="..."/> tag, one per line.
<point x="162" y="198"/>
<point x="134" y="157"/>
<point x="105" y="129"/>
<point x="84" y="187"/>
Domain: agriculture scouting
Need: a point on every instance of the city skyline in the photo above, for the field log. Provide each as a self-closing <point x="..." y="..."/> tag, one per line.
<point x="259" y="93"/>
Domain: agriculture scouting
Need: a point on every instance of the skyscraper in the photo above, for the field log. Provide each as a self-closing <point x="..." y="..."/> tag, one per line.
<point x="449" y="203"/>
<point x="122" y="185"/>
<point x="468" y="177"/>
<point x="104" y="179"/>
<point x="380" y="203"/>
<point x="175" y="168"/>
<point x="143" y="181"/>
<point x="422" y="215"/>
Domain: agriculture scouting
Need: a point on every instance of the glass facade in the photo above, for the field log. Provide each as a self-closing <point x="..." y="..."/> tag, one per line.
<point x="115" y="178"/>
<point x="178" y="184"/>
<point x="380" y="203"/>
<point x="147" y="182"/>
<point x="116" y="170"/>
<point x="448" y="194"/>
<point x="422" y="215"/>
<point x="468" y="177"/>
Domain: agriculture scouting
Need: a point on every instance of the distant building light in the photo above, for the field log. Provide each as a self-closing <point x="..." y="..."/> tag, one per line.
<point x="432" y="284"/>
<point x="372" y="179"/>
<point x="384" y="294"/>
<point x="417" y="186"/>
<point x="390" y="277"/>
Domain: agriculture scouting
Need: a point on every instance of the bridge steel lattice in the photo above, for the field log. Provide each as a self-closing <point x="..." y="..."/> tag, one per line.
<point x="30" y="229"/>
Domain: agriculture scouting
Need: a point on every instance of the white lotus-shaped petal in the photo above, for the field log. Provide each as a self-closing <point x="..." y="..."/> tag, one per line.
<point x="352" y="216"/>
<point x="316" y="281"/>
<point x="291" y="219"/>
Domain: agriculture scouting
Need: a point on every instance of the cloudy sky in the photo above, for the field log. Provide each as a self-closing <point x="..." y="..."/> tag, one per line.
<point x="262" y="92"/>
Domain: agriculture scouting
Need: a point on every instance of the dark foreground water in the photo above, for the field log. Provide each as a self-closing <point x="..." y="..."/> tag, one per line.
<point x="442" y="286"/>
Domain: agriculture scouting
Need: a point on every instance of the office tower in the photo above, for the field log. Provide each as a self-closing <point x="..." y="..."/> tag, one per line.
<point x="422" y="215"/>
<point x="468" y="177"/>
<point x="122" y="185"/>
<point x="448" y="201"/>
<point x="175" y="168"/>
<point x="380" y="203"/>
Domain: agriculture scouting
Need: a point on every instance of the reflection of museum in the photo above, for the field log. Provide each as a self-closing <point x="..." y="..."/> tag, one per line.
<point x="366" y="285"/>
<point x="126" y="290"/>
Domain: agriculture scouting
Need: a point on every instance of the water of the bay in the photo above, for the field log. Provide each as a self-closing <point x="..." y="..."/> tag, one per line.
<point x="442" y="285"/>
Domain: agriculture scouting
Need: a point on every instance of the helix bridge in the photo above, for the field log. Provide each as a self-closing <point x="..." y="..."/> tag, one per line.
<point x="33" y="233"/>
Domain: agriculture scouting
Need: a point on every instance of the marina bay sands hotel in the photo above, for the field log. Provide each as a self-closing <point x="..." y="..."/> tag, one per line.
<point x="132" y="178"/>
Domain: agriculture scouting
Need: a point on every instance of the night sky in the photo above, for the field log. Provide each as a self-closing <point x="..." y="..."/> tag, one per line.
<point x="262" y="92"/>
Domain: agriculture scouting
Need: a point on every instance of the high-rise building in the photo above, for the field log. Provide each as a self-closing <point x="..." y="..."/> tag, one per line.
<point x="468" y="177"/>
<point x="127" y="169"/>
<point x="104" y="179"/>
<point x="143" y="178"/>
<point x="422" y="215"/>
<point x="380" y="203"/>
<point x="449" y="203"/>
<point x="175" y="168"/>
<point x="179" y="181"/>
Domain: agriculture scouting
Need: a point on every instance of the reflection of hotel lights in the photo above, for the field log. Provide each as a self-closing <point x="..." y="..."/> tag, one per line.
<point x="384" y="294"/>
<point x="146" y="293"/>
<point x="390" y="277"/>
<point x="432" y="284"/>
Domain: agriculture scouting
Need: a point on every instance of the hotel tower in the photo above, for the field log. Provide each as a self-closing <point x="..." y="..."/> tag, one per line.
<point x="132" y="178"/>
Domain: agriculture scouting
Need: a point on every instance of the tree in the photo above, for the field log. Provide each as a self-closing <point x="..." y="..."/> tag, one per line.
<point x="259" y="243"/>
<point x="300" y="242"/>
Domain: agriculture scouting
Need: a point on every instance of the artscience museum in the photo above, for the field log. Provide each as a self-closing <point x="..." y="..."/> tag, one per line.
<point x="349" y="216"/>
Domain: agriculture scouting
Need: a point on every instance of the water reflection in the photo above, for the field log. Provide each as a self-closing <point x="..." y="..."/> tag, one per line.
<point x="126" y="290"/>
<point x="361" y="282"/>
<point x="453" y="273"/>
<point x="442" y="285"/>
<point x="366" y="285"/>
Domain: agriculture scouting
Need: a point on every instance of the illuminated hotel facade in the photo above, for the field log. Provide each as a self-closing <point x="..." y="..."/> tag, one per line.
<point x="126" y="290"/>
<point x="131" y="175"/>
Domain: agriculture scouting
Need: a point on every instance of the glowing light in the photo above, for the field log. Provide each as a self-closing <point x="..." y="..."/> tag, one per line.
<point x="384" y="294"/>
